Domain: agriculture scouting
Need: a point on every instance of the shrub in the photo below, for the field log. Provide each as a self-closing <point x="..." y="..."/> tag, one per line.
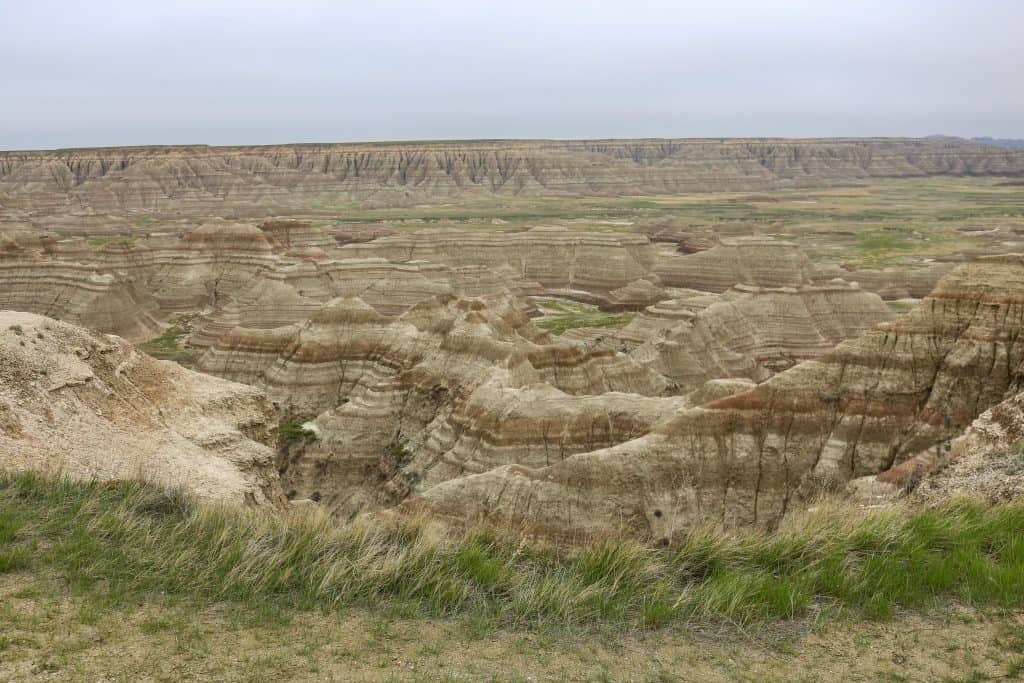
<point x="294" y="432"/>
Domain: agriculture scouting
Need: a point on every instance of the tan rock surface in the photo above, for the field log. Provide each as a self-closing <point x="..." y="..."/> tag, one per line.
<point x="268" y="180"/>
<point x="86" y="405"/>
<point x="986" y="462"/>
<point x="758" y="261"/>
<point x="79" y="294"/>
<point x="895" y="393"/>
<point x="753" y="332"/>
<point x="454" y="385"/>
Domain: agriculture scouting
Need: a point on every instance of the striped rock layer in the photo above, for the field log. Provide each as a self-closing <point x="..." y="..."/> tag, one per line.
<point x="894" y="393"/>
<point x="261" y="181"/>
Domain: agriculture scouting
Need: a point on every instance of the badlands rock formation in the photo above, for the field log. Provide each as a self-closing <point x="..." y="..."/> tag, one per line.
<point x="233" y="274"/>
<point x="986" y="462"/>
<point x="896" y="393"/>
<point x="457" y="386"/>
<point x="78" y="293"/>
<point x="751" y="332"/>
<point x="249" y="276"/>
<point x="262" y="181"/>
<point x="85" y="405"/>
<point x="558" y="260"/>
<point x="414" y="357"/>
<point x="755" y="261"/>
<point x="454" y="385"/>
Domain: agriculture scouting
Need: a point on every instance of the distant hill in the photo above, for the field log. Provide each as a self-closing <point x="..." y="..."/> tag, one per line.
<point x="1001" y="142"/>
<point x="280" y="179"/>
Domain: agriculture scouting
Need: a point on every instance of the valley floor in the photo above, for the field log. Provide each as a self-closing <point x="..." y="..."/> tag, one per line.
<point x="48" y="634"/>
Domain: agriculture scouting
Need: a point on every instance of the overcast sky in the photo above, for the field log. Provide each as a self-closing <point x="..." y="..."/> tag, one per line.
<point x="111" y="72"/>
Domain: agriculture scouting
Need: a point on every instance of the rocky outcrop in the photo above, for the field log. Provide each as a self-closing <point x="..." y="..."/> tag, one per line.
<point x="986" y="462"/>
<point x="454" y="385"/>
<point x="753" y="332"/>
<point x="79" y="294"/>
<point x="895" y="393"/>
<point x="262" y="181"/>
<point x="89" y="406"/>
<point x="758" y="261"/>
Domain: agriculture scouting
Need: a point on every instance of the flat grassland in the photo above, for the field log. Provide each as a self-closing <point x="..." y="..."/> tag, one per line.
<point x="877" y="223"/>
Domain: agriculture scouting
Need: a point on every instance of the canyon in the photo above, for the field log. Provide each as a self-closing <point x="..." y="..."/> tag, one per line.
<point x="536" y="333"/>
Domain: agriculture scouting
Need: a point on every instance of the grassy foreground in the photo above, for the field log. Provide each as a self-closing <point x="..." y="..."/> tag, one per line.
<point x="121" y="542"/>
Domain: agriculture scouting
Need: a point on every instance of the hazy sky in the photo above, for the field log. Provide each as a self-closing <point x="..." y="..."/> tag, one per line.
<point x="109" y="72"/>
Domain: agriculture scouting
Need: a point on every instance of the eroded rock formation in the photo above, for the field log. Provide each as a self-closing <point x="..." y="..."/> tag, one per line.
<point x="986" y="462"/>
<point x="462" y="383"/>
<point x="898" y="392"/>
<point x="262" y="181"/>
<point x="85" y="405"/>
<point x="755" y="332"/>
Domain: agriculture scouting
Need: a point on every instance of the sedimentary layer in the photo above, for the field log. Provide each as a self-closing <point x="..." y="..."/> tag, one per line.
<point x="202" y="180"/>
<point x="456" y="384"/>
<point x="895" y="393"/>
<point x="752" y="332"/>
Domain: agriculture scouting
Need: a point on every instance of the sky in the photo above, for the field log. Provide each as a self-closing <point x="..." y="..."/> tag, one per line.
<point x="114" y="72"/>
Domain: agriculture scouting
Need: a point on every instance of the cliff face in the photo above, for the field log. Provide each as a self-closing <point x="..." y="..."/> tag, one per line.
<point x="262" y="180"/>
<point x="898" y="392"/>
<point x="85" y="405"/>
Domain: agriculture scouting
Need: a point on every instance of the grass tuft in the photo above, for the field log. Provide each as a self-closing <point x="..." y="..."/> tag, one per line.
<point x="124" y="540"/>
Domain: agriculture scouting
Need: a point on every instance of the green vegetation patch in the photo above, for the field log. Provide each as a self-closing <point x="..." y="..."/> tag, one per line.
<point x="294" y="432"/>
<point x="120" y="542"/>
<point x="560" y="316"/>
<point x="168" y="345"/>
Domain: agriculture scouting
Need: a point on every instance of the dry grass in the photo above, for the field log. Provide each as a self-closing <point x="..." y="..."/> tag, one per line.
<point x="119" y="541"/>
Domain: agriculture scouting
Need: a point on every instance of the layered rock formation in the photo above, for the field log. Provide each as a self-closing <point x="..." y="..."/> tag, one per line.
<point x="462" y="384"/>
<point x="80" y="294"/>
<point x="557" y="259"/>
<point x="85" y="405"/>
<point x="753" y="332"/>
<point x="268" y="180"/>
<point x="240" y="275"/>
<point x="758" y="261"/>
<point x="891" y="283"/>
<point x="895" y="393"/>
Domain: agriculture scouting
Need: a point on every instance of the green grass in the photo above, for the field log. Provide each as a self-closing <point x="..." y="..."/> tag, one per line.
<point x="120" y="542"/>
<point x="293" y="432"/>
<point x="168" y="345"/>
<point x="560" y="316"/>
